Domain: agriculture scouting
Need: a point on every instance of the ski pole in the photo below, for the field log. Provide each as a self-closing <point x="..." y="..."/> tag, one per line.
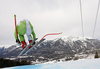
<point x="15" y="26"/>
<point x="51" y="34"/>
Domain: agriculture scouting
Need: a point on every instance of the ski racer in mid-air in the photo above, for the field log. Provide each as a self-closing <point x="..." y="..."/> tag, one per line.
<point x="24" y="27"/>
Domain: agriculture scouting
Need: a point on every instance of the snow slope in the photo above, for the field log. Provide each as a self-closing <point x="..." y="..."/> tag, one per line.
<point x="78" y="64"/>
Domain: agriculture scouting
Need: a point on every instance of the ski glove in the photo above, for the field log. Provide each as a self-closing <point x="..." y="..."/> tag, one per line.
<point x="18" y="41"/>
<point x="34" y="43"/>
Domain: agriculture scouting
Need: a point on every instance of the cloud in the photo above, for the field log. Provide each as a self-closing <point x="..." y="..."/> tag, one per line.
<point x="49" y="16"/>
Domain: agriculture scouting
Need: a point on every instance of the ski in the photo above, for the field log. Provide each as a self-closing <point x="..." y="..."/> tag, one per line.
<point x="28" y="50"/>
<point x="40" y="42"/>
<point x="34" y="46"/>
<point x="27" y="47"/>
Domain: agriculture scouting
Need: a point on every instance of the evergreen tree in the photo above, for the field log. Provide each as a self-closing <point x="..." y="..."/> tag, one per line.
<point x="10" y="63"/>
<point x="96" y="55"/>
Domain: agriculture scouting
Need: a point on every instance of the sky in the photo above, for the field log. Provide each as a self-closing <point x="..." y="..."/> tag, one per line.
<point x="49" y="16"/>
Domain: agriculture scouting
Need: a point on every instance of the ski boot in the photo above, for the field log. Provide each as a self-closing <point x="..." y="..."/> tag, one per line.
<point x="32" y="44"/>
<point x="23" y="44"/>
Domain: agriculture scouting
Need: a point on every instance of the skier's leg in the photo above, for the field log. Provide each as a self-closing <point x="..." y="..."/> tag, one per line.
<point x="29" y="37"/>
<point x="30" y="40"/>
<point x="22" y="39"/>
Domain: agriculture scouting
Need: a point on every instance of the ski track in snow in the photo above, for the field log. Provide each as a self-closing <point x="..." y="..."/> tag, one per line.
<point x="78" y="64"/>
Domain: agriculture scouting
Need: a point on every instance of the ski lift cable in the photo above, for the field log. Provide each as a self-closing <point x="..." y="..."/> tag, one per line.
<point x="81" y="18"/>
<point x="96" y="19"/>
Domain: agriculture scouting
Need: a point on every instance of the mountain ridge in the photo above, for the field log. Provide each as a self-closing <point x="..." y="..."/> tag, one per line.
<point x="57" y="48"/>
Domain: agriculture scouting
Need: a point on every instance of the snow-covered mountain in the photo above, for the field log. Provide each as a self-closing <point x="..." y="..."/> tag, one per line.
<point x="63" y="47"/>
<point x="6" y="51"/>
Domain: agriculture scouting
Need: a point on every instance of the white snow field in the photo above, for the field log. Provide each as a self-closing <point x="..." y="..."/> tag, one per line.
<point x="77" y="64"/>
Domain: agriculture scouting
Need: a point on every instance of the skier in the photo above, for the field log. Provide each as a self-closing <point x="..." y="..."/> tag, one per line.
<point x="24" y="27"/>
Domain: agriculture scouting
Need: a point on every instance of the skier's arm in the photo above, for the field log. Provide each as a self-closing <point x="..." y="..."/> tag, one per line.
<point x="17" y="40"/>
<point x="33" y="33"/>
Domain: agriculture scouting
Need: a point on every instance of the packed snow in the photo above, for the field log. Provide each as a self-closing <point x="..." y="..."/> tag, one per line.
<point x="77" y="64"/>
